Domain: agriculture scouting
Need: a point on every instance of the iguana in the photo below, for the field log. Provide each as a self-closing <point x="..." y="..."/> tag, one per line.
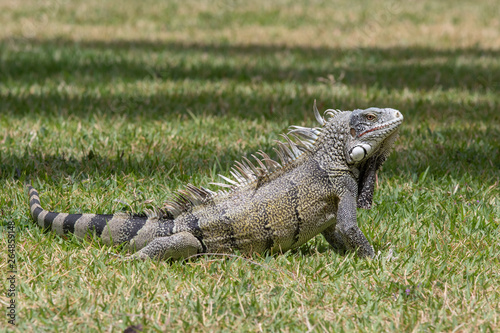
<point x="324" y="174"/>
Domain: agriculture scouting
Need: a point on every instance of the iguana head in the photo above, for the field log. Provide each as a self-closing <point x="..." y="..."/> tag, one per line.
<point x="358" y="141"/>
<point x="371" y="131"/>
<point x="371" y="135"/>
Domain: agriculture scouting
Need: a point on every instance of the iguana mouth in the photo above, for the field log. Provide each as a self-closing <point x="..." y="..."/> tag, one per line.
<point x="377" y="128"/>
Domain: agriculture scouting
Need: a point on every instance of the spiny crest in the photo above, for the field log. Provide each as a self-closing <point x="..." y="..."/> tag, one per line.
<point x="297" y="141"/>
<point x="329" y="112"/>
<point x="187" y="198"/>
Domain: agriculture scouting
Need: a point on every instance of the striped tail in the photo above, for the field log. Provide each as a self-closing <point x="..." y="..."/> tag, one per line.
<point x="113" y="229"/>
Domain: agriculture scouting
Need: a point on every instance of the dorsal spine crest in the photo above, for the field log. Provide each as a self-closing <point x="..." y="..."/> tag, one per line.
<point x="299" y="141"/>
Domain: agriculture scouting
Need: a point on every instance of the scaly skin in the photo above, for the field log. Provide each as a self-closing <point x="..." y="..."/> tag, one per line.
<point x="268" y="207"/>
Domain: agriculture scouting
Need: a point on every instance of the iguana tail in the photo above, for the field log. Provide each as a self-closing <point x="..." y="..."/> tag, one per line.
<point x="113" y="229"/>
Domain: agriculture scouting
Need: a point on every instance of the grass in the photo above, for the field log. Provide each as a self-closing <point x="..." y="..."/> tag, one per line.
<point x="109" y="106"/>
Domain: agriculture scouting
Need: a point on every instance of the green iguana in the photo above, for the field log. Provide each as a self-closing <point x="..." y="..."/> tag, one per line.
<point x="324" y="175"/>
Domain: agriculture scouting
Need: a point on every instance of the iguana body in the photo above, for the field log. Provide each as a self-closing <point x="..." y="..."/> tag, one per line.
<point x="322" y="178"/>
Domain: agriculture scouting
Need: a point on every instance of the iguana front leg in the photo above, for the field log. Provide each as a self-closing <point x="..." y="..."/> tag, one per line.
<point x="177" y="246"/>
<point x="345" y="234"/>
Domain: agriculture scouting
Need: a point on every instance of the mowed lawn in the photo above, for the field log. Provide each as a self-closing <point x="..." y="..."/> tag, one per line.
<point x="110" y="106"/>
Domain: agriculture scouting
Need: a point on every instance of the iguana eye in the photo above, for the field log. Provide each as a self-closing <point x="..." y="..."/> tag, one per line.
<point x="370" y="116"/>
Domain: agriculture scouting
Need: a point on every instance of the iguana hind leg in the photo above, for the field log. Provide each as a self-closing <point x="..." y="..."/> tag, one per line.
<point x="177" y="246"/>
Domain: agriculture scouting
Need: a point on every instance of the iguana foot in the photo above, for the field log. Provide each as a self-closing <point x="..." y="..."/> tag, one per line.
<point x="176" y="246"/>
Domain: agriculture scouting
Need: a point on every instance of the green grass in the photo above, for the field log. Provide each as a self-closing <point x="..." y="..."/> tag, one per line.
<point x="109" y="106"/>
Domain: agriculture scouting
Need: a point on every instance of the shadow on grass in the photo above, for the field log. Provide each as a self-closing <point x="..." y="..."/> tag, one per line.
<point x="100" y="66"/>
<point x="36" y="164"/>
<point x="475" y="160"/>
<point x="92" y="64"/>
<point x="439" y="161"/>
<point x="391" y="68"/>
